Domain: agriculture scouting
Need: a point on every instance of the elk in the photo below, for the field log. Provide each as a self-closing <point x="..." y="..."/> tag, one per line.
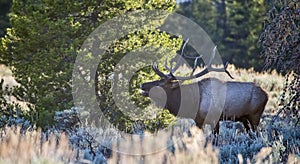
<point x="209" y="100"/>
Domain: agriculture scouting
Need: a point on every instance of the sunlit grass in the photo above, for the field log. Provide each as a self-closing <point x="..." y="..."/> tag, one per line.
<point x="33" y="147"/>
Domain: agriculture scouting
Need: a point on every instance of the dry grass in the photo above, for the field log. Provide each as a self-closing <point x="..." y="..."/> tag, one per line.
<point x="193" y="147"/>
<point x="33" y="147"/>
<point x="186" y="149"/>
<point x="6" y="75"/>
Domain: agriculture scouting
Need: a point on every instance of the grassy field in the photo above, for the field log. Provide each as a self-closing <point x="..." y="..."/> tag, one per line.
<point x="276" y="141"/>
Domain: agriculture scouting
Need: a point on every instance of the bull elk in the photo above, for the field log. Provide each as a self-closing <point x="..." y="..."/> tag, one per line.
<point x="207" y="101"/>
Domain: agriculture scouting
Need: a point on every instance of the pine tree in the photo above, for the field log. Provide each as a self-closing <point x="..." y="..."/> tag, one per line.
<point x="42" y="45"/>
<point x="233" y="25"/>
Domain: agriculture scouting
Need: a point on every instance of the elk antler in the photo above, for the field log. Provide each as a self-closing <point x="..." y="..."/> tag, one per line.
<point x="178" y="58"/>
<point x="208" y="68"/>
<point x="157" y="71"/>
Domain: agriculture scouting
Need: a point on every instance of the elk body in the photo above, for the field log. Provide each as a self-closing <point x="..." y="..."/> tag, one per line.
<point x="244" y="102"/>
<point x="210" y="100"/>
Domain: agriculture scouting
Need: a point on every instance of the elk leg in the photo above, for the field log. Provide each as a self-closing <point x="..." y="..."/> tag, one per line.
<point x="245" y="122"/>
<point x="217" y="128"/>
<point x="199" y="125"/>
<point x="254" y="121"/>
<point x="199" y="121"/>
<point x="250" y="124"/>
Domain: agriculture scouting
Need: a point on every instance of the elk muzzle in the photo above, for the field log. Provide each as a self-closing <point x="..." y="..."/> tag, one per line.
<point x="145" y="89"/>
